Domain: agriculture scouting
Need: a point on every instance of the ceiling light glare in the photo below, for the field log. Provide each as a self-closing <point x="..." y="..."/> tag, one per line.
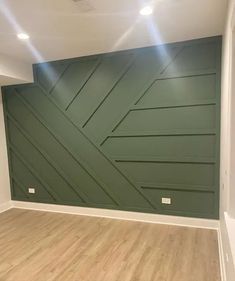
<point x="23" y="36"/>
<point x="146" y="11"/>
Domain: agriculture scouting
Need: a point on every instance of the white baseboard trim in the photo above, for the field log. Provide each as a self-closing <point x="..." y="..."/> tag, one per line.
<point x="5" y="206"/>
<point x="230" y="225"/>
<point x="121" y="215"/>
<point x="221" y="256"/>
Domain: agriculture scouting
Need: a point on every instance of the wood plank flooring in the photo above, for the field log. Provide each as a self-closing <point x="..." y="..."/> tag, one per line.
<point x="41" y="246"/>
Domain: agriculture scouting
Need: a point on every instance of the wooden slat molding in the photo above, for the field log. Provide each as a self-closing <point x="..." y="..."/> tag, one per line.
<point x="91" y="130"/>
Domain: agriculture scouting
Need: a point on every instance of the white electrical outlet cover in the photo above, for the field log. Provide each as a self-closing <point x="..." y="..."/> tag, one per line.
<point x="31" y="190"/>
<point x="166" y="201"/>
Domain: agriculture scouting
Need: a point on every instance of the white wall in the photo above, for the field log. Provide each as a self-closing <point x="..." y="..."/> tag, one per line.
<point x="13" y="71"/>
<point x="4" y="173"/>
<point x="227" y="172"/>
<point x="231" y="199"/>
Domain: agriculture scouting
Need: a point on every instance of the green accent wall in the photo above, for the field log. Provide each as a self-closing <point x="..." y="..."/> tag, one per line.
<point x="120" y="130"/>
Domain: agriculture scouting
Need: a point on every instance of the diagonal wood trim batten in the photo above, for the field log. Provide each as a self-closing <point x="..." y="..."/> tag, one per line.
<point x="120" y="130"/>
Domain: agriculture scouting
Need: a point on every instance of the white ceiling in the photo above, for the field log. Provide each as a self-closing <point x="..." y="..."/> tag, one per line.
<point x="62" y="28"/>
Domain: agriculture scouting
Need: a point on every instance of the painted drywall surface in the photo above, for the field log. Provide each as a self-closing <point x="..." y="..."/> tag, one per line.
<point x="110" y="26"/>
<point x="121" y="130"/>
<point x="14" y="71"/>
<point x="4" y="172"/>
<point x="225" y="170"/>
<point x="232" y="129"/>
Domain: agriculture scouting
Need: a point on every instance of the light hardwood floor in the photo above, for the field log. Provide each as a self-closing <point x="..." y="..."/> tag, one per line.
<point x="40" y="246"/>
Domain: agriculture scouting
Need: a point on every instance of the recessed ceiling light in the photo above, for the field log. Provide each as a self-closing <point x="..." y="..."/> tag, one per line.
<point x="146" y="11"/>
<point x="23" y="36"/>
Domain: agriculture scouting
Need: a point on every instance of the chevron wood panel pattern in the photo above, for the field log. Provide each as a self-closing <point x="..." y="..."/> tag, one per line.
<point x="120" y="130"/>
